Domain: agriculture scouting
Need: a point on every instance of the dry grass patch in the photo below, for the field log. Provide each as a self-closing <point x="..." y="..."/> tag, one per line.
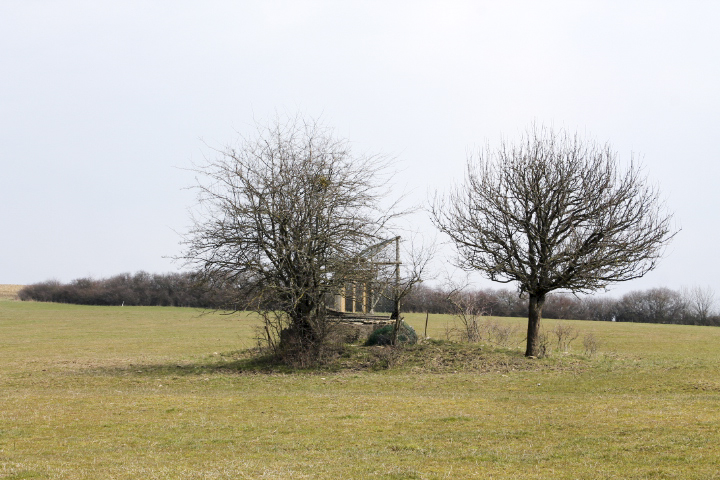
<point x="9" y="292"/>
<point x="428" y="357"/>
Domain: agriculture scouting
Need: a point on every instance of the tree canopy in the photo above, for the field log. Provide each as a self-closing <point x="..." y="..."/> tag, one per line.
<point x="287" y="213"/>
<point x="554" y="212"/>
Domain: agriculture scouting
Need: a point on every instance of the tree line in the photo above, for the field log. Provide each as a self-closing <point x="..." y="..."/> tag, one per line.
<point x="693" y="306"/>
<point x="141" y="288"/>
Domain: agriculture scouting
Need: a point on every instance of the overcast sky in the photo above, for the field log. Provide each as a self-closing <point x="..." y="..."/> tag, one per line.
<point x="103" y="103"/>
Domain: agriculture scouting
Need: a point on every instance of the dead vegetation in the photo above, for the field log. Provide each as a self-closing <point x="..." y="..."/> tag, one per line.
<point x="10" y="292"/>
<point x="428" y="357"/>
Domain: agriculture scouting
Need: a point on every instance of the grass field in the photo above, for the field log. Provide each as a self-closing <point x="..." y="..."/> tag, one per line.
<point x="158" y="393"/>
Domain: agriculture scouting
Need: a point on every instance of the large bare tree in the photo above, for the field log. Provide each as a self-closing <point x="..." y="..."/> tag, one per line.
<point x="287" y="214"/>
<point x="554" y="212"/>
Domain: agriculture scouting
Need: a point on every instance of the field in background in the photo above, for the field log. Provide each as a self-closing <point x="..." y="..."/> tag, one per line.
<point x="9" y="292"/>
<point x="150" y="392"/>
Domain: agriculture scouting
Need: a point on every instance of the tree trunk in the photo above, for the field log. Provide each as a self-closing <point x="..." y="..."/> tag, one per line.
<point x="398" y="321"/>
<point x="305" y="330"/>
<point x="535" y="306"/>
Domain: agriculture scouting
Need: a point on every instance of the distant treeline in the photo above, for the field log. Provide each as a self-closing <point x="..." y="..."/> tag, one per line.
<point x="170" y="289"/>
<point x="657" y="305"/>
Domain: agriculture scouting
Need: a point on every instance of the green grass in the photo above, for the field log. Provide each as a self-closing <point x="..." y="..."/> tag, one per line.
<point x="165" y="393"/>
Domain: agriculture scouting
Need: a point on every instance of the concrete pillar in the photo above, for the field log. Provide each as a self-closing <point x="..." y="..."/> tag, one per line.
<point x="340" y="300"/>
<point x="365" y="298"/>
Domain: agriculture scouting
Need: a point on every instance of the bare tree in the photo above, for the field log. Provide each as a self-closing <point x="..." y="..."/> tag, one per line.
<point x="554" y="212"/>
<point x="468" y="311"/>
<point x="700" y="302"/>
<point x="407" y="275"/>
<point x="467" y="307"/>
<point x="287" y="214"/>
<point x="656" y="305"/>
<point x="599" y="309"/>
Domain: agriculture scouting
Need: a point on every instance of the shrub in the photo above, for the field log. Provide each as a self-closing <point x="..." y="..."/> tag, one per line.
<point x="171" y="289"/>
<point x="591" y="344"/>
<point x="500" y="334"/>
<point x="543" y="345"/>
<point x="384" y="335"/>
<point x="565" y="335"/>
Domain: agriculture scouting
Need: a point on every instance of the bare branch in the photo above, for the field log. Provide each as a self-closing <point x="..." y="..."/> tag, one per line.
<point x="287" y="214"/>
<point x="554" y="212"/>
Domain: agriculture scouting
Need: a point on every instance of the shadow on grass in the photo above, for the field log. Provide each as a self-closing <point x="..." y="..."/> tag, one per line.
<point x="232" y="363"/>
<point x="433" y="356"/>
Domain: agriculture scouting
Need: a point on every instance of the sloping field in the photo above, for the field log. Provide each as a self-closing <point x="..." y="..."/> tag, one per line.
<point x="9" y="292"/>
<point x="159" y="393"/>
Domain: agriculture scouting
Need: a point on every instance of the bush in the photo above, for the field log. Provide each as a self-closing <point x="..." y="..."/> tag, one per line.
<point x="591" y="344"/>
<point x="384" y="335"/>
<point x="171" y="289"/>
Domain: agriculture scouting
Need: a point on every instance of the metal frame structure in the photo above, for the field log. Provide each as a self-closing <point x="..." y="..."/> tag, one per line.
<point x="359" y="294"/>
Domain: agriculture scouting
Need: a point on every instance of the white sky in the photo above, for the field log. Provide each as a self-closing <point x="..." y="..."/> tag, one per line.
<point x="101" y="101"/>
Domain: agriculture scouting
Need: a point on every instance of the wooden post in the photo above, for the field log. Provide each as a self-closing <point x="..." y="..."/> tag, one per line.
<point x="396" y="313"/>
<point x="397" y="279"/>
